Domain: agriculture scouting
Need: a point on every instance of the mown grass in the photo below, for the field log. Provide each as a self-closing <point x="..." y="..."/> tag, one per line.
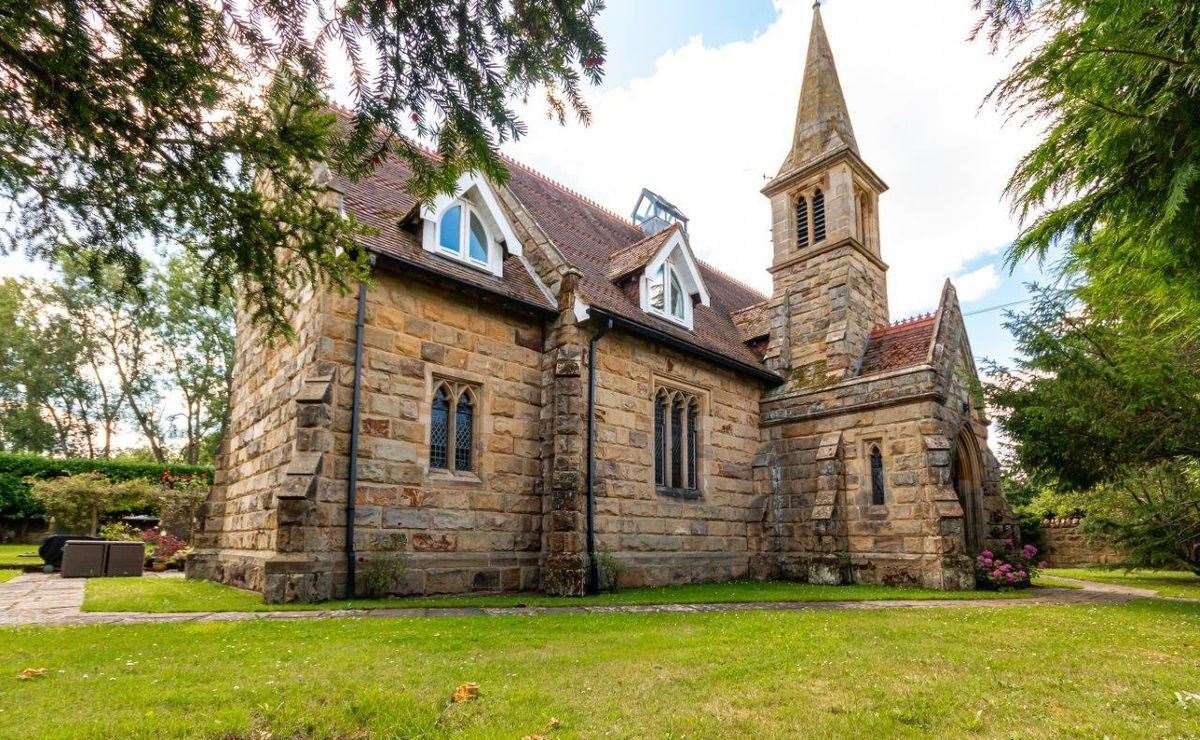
<point x="7" y="574"/>
<point x="1174" y="583"/>
<point x="179" y="595"/>
<point x="10" y="556"/>
<point x="1022" y="671"/>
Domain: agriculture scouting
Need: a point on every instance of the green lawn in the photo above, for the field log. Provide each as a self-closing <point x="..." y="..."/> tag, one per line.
<point x="1178" y="583"/>
<point x="179" y="595"/>
<point x="1080" y="671"/>
<point x="7" y="574"/>
<point x="10" y="555"/>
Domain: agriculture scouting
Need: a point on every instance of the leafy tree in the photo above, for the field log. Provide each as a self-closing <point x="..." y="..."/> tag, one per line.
<point x="1116" y="179"/>
<point x="196" y="341"/>
<point x="80" y="501"/>
<point x="44" y="404"/>
<point x="201" y="123"/>
<point x="1101" y="425"/>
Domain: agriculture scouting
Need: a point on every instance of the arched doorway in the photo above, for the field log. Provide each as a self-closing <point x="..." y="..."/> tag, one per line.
<point x="968" y="485"/>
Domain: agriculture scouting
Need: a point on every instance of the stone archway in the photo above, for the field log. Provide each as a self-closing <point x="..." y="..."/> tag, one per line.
<point x="966" y="473"/>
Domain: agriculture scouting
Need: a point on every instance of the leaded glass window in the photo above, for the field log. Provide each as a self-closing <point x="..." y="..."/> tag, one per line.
<point x="464" y="432"/>
<point x="692" y="413"/>
<point x="818" y="218"/>
<point x="660" y="442"/>
<point x="452" y="427"/>
<point x="676" y="440"/>
<point x="439" y="429"/>
<point x="876" y="476"/>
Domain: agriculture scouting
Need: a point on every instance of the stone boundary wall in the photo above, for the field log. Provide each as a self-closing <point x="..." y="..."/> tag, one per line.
<point x="1066" y="546"/>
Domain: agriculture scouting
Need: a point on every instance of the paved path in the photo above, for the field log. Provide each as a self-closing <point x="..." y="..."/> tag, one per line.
<point x="40" y="599"/>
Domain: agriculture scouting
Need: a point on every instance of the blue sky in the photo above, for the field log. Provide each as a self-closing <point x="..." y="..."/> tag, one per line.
<point x="673" y="66"/>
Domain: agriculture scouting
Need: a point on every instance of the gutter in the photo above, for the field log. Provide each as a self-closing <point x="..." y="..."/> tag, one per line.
<point x="593" y="582"/>
<point x="355" y="419"/>
<point x="663" y="338"/>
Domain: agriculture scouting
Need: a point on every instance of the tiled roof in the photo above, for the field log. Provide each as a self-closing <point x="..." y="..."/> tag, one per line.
<point x="635" y="256"/>
<point x="381" y="201"/>
<point x="588" y="235"/>
<point x="903" y="344"/>
<point x="753" y="321"/>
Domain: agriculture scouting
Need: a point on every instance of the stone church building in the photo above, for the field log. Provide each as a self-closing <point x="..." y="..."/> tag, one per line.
<point x="532" y="384"/>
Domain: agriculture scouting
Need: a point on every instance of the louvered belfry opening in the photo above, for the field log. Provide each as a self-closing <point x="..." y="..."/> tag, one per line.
<point x="818" y="217"/>
<point x="801" y="222"/>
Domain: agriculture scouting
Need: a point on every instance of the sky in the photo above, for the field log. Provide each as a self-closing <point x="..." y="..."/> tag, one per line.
<point x="698" y="104"/>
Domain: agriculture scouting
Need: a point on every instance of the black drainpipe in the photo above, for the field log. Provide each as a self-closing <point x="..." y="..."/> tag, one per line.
<point x="593" y="584"/>
<point x="355" y="413"/>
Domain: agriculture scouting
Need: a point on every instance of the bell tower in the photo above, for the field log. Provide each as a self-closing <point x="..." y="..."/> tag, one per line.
<point x="830" y="283"/>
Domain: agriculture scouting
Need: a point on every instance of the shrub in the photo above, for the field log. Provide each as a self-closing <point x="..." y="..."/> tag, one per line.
<point x="608" y="571"/>
<point x="178" y="501"/>
<point x="79" y="502"/>
<point x="120" y="531"/>
<point x="18" y="470"/>
<point x="382" y="575"/>
<point x="1013" y="567"/>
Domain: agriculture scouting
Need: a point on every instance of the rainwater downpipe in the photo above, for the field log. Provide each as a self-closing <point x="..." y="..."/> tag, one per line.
<point x="355" y="415"/>
<point x="593" y="583"/>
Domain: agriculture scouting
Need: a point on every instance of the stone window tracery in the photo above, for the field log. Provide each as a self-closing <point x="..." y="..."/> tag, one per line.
<point x="676" y="440"/>
<point x="452" y="421"/>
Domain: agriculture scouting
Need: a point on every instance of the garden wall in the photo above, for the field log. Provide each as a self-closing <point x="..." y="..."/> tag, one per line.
<point x="1066" y="546"/>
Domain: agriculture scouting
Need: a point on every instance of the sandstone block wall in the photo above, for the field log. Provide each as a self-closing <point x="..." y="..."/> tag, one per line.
<point x="1066" y="546"/>
<point x="237" y="532"/>
<point x="478" y="530"/>
<point x="659" y="537"/>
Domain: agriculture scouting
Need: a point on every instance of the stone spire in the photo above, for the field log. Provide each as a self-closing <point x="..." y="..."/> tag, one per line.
<point x="822" y="121"/>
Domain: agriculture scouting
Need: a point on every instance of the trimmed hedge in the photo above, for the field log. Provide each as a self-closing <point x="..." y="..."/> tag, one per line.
<point x="15" y="502"/>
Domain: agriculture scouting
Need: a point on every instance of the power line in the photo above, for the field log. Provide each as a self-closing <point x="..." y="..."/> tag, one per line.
<point x="996" y="308"/>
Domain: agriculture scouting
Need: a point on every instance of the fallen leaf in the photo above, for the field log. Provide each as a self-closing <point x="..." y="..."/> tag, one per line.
<point x="553" y="723"/>
<point x="29" y="673"/>
<point x="466" y="692"/>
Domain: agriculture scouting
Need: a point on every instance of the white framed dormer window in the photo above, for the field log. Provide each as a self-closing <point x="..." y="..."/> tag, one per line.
<point x="469" y="227"/>
<point x="460" y="233"/>
<point x="671" y="284"/>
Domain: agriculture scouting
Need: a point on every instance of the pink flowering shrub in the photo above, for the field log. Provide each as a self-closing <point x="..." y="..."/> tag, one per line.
<point x="1011" y="568"/>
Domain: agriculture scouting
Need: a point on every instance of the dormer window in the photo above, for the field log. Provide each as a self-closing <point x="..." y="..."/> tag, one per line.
<point x="667" y="296"/>
<point x="461" y="233"/>
<point x="469" y="227"/>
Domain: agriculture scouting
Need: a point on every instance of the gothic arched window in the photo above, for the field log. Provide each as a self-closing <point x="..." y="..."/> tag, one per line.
<point x="676" y="440"/>
<point x="464" y="432"/>
<point x="801" y="222"/>
<point x="693" y="411"/>
<point x="660" y="441"/>
<point x="452" y="427"/>
<point x="818" y="218"/>
<point x="439" y="429"/>
<point x="876" y="475"/>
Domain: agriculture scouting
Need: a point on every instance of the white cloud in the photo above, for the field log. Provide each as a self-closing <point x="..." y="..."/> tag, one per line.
<point x="710" y="125"/>
<point x="976" y="284"/>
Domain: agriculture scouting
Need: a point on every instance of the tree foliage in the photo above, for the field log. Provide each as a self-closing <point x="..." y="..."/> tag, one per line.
<point x="82" y="356"/>
<point x="1115" y="181"/>
<point x="79" y="502"/>
<point x="200" y="123"/>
